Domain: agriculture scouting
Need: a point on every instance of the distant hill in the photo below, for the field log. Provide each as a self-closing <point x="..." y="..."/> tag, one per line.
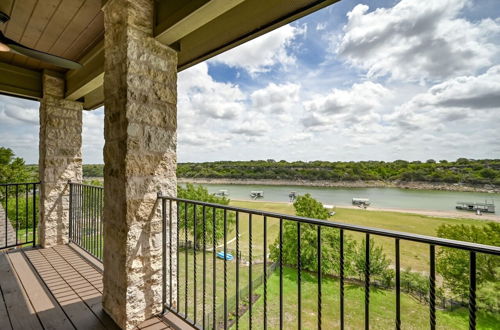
<point x="467" y="171"/>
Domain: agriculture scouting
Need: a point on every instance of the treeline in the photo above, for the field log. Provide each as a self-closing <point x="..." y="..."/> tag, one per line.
<point x="460" y="171"/>
<point x="469" y="171"/>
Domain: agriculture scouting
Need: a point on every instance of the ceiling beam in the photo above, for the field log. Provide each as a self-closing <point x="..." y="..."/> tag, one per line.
<point x="89" y="77"/>
<point x="18" y="81"/>
<point x="173" y="26"/>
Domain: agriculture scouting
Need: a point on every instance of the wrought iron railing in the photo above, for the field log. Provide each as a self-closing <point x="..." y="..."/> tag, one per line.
<point x="196" y="282"/>
<point x="18" y="214"/>
<point x="85" y="218"/>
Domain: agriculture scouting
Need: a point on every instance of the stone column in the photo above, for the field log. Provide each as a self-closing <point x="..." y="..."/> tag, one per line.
<point x="60" y="158"/>
<point x="140" y="90"/>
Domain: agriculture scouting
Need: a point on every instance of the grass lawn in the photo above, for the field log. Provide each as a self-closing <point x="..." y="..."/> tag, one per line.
<point x="414" y="255"/>
<point x="257" y="270"/>
<point x="414" y="315"/>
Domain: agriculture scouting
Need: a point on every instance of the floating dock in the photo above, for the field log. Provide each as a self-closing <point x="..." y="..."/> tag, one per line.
<point x="362" y="202"/>
<point x="475" y="207"/>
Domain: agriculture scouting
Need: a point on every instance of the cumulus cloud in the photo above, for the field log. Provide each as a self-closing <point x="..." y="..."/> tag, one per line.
<point x="276" y="98"/>
<point x="200" y="96"/>
<point x="418" y="40"/>
<point x="452" y="100"/>
<point x="261" y="54"/>
<point x="16" y="111"/>
<point x="351" y="106"/>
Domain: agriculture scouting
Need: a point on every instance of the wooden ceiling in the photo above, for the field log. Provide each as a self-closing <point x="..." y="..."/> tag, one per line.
<point x="74" y="29"/>
<point x="67" y="28"/>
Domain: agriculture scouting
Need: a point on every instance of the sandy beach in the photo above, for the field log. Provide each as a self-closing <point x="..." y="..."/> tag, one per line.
<point x="440" y="214"/>
<point x="429" y="213"/>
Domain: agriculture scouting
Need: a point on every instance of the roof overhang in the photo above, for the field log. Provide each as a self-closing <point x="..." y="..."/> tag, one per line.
<point x="197" y="29"/>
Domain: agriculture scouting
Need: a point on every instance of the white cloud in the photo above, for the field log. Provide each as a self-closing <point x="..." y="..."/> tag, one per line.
<point x="261" y="54"/>
<point x="418" y="40"/>
<point x="201" y="97"/>
<point x="351" y="106"/>
<point x="453" y="100"/>
<point x="276" y="98"/>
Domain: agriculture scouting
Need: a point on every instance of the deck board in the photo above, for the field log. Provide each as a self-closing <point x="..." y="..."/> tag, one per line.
<point x="54" y="288"/>
<point x="21" y="313"/>
<point x="48" y="310"/>
<point x="56" y="275"/>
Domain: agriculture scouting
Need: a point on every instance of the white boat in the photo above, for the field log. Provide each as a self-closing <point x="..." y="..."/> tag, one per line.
<point x="361" y="202"/>
<point x="256" y="194"/>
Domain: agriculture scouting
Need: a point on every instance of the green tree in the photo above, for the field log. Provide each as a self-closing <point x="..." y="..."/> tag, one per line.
<point x="190" y="215"/>
<point x="13" y="169"/>
<point x="306" y="206"/>
<point x="453" y="264"/>
<point x="379" y="263"/>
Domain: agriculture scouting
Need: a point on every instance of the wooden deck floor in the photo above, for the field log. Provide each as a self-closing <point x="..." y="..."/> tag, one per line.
<point x="53" y="288"/>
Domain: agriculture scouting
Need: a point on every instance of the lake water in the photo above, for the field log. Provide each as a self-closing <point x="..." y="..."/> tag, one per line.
<point x="380" y="197"/>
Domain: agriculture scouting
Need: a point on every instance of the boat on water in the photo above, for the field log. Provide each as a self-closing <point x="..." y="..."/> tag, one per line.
<point x="254" y="194"/>
<point x="361" y="202"/>
<point x="292" y="196"/>
<point x="222" y="193"/>
<point x="486" y="207"/>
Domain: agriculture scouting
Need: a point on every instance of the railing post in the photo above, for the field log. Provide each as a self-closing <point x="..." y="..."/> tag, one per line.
<point x="70" y="226"/>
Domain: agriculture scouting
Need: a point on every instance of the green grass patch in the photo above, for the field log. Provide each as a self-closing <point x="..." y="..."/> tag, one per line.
<point x="414" y="315"/>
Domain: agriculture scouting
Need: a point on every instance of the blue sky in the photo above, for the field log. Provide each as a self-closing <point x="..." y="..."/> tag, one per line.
<point x="358" y="80"/>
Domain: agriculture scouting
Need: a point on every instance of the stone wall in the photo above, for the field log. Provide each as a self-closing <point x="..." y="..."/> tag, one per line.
<point x="60" y="159"/>
<point x="139" y="156"/>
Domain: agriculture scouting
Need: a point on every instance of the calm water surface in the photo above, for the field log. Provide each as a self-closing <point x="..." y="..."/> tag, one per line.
<point x="379" y="197"/>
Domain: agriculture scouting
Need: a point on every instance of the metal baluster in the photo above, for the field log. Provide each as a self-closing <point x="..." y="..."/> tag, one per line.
<point x="367" y="281"/>
<point x="472" y="291"/>
<point x="265" y="272"/>
<point x="27" y="214"/>
<point x="432" y="287"/>
<point x="170" y="288"/>
<point x="214" y="267"/>
<point x="237" y="270"/>
<point x="34" y="214"/>
<point x="164" y="254"/>
<point x="398" y="287"/>
<point x="204" y="263"/>
<point x="70" y="211"/>
<point x="195" y="233"/>
<point x="17" y="212"/>
<point x="250" y="285"/>
<point x="225" y="269"/>
<point x="299" y="285"/>
<point x="178" y="307"/>
<point x="319" y="276"/>
<point x="341" y="242"/>
<point x="281" y="272"/>
<point x="186" y="260"/>
<point x="6" y="213"/>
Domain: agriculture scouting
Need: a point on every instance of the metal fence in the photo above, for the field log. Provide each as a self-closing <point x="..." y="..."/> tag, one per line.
<point x="85" y="218"/>
<point x="191" y="295"/>
<point x="18" y="214"/>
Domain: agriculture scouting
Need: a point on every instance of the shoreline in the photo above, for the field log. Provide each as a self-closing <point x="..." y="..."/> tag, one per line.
<point x="428" y="213"/>
<point x="417" y="185"/>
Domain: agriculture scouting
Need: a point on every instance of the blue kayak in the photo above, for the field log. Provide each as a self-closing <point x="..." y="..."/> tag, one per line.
<point x="228" y="256"/>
